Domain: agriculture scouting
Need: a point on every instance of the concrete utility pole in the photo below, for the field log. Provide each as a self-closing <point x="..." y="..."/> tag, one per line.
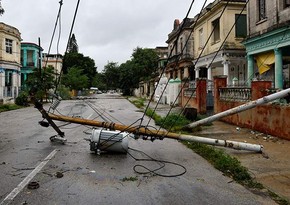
<point x="159" y="134"/>
<point x="241" y="108"/>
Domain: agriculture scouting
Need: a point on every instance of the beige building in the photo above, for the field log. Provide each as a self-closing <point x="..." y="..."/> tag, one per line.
<point x="180" y="49"/>
<point x="9" y="63"/>
<point x="54" y="60"/>
<point x="219" y="31"/>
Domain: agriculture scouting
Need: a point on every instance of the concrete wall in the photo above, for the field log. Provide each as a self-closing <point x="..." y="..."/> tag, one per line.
<point x="197" y="101"/>
<point x="271" y="118"/>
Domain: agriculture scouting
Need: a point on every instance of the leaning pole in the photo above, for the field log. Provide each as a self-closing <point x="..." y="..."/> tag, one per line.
<point x="241" y="108"/>
<point x="159" y="134"/>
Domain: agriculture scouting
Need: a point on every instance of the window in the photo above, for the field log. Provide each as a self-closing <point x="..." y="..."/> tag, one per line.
<point x="241" y="26"/>
<point x="287" y="3"/>
<point x="8" y="78"/>
<point x="262" y="9"/>
<point x="216" y="30"/>
<point x="8" y="44"/>
<point x="200" y="33"/>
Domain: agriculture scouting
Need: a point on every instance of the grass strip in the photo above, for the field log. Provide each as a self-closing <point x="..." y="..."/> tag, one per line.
<point x="8" y="107"/>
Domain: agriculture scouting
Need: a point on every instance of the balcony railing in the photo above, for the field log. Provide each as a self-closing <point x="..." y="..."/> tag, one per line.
<point x="235" y="94"/>
<point x="190" y="92"/>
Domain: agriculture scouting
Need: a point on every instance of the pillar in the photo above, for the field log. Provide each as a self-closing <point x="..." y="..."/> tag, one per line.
<point x="201" y="95"/>
<point x="250" y="59"/>
<point x="196" y="73"/>
<point x="209" y="73"/>
<point x="186" y="73"/>
<point x="278" y="68"/>
<point x="34" y="58"/>
<point x="2" y="82"/>
<point x="24" y="57"/>
<point x="209" y="77"/>
<point x="219" y="82"/>
<point x="14" y="83"/>
<point x="226" y="69"/>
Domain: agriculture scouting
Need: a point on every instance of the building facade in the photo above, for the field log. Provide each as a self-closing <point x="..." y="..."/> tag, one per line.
<point x="10" y="80"/>
<point x="180" y="50"/>
<point x="268" y="42"/>
<point x="29" y="60"/>
<point x="218" y="33"/>
<point x="53" y="60"/>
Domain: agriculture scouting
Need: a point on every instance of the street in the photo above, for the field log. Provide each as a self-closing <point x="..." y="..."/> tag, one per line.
<point x="72" y="174"/>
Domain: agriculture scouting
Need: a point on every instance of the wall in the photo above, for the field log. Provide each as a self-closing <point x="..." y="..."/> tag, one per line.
<point x="271" y="118"/>
<point x="198" y="100"/>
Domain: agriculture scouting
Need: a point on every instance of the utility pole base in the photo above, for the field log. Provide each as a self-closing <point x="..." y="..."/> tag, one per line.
<point x="58" y="138"/>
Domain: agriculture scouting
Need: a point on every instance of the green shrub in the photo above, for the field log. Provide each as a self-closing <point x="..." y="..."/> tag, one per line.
<point x="22" y="99"/>
<point x="174" y="122"/>
<point x="139" y="103"/>
<point x="63" y="92"/>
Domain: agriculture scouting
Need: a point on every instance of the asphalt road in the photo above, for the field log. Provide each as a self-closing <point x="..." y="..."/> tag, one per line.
<point x="72" y="174"/>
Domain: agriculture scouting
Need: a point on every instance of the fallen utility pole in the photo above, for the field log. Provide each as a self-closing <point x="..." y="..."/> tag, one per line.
<point x="241" y="108"/>
<point x="159" y="134"/>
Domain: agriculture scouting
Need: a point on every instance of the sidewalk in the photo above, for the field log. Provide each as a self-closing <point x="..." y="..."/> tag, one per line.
<point x="272" y="171"/>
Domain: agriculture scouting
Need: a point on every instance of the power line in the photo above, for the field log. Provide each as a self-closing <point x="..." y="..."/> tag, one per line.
<point x="163" y="70"/>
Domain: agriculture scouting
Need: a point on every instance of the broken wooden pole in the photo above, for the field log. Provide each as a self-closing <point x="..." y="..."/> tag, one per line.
<point x="159" y="134"/>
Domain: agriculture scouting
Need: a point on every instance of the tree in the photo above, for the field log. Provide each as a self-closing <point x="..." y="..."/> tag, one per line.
<point x="111" y="75"/>
<point x="83" y="62"/>
<point x="40" y="83"/>
<point x="145" y="61"/>
<point x="72" y="45"/>
<point x="74" y="79"/>
<point x="142" y="66"/>
<point x="128" y="80"/>
<point x="99" y="81"/>
<point x="127" y="76"/>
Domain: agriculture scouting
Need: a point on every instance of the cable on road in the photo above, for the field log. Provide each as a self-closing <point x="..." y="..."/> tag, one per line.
<point x="162" y="164"/>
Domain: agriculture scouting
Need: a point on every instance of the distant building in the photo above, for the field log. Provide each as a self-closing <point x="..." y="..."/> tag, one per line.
<point x="10" y="38"/>
<point x="54" y="60"/>
<point x="180" y="50"/>
<point x="268" y="42"/>
<point x="29" y="60"/>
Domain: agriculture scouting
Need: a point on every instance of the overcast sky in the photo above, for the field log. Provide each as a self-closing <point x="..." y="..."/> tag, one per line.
<point x="105" y="30"/>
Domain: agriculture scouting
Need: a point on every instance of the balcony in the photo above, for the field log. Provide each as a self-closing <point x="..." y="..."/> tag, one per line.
<point x="235" y="94"/>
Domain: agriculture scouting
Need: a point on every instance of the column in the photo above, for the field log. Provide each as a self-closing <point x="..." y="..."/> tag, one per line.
<point x="2" y="82"/>
<point x="226" y="69"/>
<point x="24" y="57"/>
<point x="186" y="73"/>
<point x="209" y="73"/>
<point x="250" y="59"/>
<point x="196" y="73"/>
<point x="278" y="69"/>
<point x="14" y="84"/>
<point x="34" y="58"/>
<point x="209" y="77"/>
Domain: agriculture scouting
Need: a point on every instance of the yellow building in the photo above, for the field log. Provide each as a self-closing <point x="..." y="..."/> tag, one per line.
<point x="9" y="63"/>
<point x="218" y="33"/>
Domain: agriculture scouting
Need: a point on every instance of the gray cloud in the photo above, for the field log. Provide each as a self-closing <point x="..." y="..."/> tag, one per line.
<point x="106" y="30"/>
